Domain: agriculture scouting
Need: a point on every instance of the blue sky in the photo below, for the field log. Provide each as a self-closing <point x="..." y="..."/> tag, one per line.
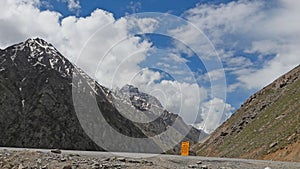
<point x="123" y="7"/>
<point x="255" y="40"/>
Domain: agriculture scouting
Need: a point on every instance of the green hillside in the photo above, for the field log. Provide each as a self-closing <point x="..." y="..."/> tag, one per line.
<point x="265" y="127"/>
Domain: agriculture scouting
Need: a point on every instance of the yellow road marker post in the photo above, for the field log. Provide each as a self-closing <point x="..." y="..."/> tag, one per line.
<point x="185" y="147"/>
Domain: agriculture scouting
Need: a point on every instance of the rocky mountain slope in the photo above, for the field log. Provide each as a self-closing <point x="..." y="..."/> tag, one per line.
<point x="37" y="105"/>
<point x="266" y="126"/>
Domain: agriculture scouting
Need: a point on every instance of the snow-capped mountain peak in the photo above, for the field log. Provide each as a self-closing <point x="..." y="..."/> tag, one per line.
<point x="37" y="86"/>
<point x="41" y="55"/>
<point x="139" y="99"/>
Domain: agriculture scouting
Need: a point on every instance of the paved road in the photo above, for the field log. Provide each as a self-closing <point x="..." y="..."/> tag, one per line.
<point x="136" y="160"/>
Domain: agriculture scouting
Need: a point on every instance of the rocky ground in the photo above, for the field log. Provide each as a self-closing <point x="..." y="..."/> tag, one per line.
<point x="48" y="159"/>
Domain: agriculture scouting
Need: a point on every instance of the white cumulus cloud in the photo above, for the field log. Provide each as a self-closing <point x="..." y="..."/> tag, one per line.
<point x="256" y="27"/>
<point x="102" y="46"/>
<point x="214" y="113"/>
<point x="73" y="5"/>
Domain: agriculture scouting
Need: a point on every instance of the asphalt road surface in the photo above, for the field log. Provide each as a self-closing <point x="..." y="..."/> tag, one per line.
<point x="21" y="158"/>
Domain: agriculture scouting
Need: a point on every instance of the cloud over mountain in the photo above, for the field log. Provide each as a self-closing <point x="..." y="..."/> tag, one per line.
<point x="24" y="19"/>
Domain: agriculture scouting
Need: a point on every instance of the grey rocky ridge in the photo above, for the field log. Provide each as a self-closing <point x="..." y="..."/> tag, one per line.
<point x="37" y="108"/>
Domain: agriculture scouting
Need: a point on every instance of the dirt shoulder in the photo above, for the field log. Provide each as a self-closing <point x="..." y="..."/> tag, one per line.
<point x="47" y="159"/>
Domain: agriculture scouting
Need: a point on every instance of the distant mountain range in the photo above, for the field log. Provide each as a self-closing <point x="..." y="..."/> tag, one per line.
<point x="37" y="89"/>
<point x="266" y="126"/>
